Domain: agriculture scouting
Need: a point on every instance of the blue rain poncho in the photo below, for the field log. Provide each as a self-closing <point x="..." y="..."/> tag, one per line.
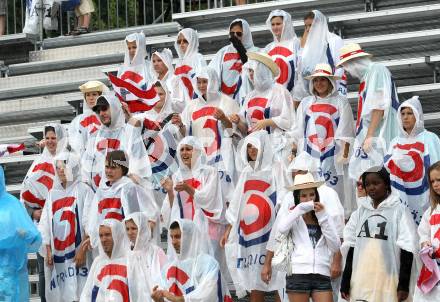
<point x="18" y="237"/>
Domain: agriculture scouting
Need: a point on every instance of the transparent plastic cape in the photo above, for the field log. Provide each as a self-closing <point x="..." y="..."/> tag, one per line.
<point x="141" y="51"/>
<point x="288" y="32"/>
<point x="167" y="58"/>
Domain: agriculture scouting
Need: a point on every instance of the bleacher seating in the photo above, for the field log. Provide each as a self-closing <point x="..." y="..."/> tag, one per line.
<point x="42" y="85"/>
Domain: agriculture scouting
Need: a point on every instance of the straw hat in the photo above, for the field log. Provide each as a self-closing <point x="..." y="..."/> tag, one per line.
<point x="304" y="181"/>
<point x="92" y="86"/>
<point x="323" y="70"/>
<point x="351" y="51"/>
<point x="266" y="60"/>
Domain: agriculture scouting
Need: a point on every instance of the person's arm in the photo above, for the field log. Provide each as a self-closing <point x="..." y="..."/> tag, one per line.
<point x="376" y="118"/>
<point x="406" y="259"/>
<point x="336" y="266"/>
<point x="327" y="227"/>
<point x="346" y="275"/>
<point x="287" y="221"/>
<point x="266" y="272"/>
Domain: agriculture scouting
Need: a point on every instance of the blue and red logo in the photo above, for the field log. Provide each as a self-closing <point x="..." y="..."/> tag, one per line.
<point x="285" y="60"/>
<point x="186" y="73"/>
<point x="116" y="274"/>
<point x="231" y="73"/>
<point x="180" y="282"/>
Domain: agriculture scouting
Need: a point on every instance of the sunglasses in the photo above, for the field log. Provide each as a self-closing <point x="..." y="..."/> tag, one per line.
<point x="237" y="33"/>
<point x="182" y="41"/>
<point x="101" y="108"/>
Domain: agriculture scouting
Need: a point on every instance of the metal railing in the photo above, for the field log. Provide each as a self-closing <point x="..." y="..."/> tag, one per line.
<point x="196" y="5"/>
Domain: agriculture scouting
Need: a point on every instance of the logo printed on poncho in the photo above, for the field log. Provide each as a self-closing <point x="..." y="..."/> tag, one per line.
<point x="179" y="279"/>
<point x="117" y="273"/>
<point x="38" y="184"/>
<point x="231" y="73"/>
<point x="91" y="123"/>
<point x="321" y="122"/>
<point x="257" y="111"/>
<point x="66" y="231"/>
<point x="285" y="60"/>
<point x="111" y="208"/>
<point x="258" y="213"/>
<point x="186" y="73"/>
<point x="207" y="113"/>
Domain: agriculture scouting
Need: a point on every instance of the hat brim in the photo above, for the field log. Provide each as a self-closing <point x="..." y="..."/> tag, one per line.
<point x="358" y="55"/>
<point x="305" y="186"/>
<point x="267" y="61"/>
<point x="316" y="75"/>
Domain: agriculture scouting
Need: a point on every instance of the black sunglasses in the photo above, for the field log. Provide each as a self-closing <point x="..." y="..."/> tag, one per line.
<point x="101" y="108"/>
<point x="237" y="33"/>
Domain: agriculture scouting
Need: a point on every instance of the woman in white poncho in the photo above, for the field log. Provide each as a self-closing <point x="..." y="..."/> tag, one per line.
<point x="62" y="228"/>
<point x="189" y="62"/>
<point x="282" y="49"/>
<point x="409" y="157"/>
<point x="145" y="259"/>
<point x="228" y="61"/>
<point x="325" y="131"/>
<point x="251" y="215"/>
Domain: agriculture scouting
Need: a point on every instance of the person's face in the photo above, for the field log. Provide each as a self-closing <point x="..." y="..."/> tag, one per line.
<point x="186" y="153"/>
<point x="162" y="95"/>
<point x="105" y="116"/>
<point x="113" y="172"/>
<point x="183" y="43"/>
<point x="202" y="85"/>
<point x="176" y="236"/>
<point x="91" y="98"/>
<point x="408" y="119"/>
<point x="61" y="172"/>
<point x="105" y="236"/>
<point x="322" y="86"/>
<point x="159" y="66"/>
<point x="307" y="195"/>
<point x="277" y="26"/>
<point x="252" y="152"/>
<point x="132" y="230"/>
<point x="360" y="188"/>
<point x="435" y="180"/>
<point x="251" y="75"/>
<point x="51" y="141"/>
<point x="307" y="25"/>
<point x="132" y="47"/>
<point x="237" y="31"/>
<point x="376" y="187"/>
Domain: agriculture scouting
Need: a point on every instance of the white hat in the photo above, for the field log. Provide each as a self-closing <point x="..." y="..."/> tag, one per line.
<point x="304" y="181"/>
<point x="351" y="51"/>
<point x="266" y="60"/>
<point x="92" y="86"/>
<point x="323" y="70"/>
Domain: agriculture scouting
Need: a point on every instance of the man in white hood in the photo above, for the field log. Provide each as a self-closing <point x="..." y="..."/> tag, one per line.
<point x="114" y="134"/>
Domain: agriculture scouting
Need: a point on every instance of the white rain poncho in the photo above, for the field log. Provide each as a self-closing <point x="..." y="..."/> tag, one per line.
<point x="268" y="100"/>
<point x="18" y="237"/>
<point x="409" y="157"/>
<point x="108" y="277"/>
<point x="429" y="231"/>
<point x="228" y="65"/>
<point x="145" y="260"/>
<point x="323" y="126"/>
<point x="117" y="136"/>
<point x="117" y="200"/>
<point x="377" y="91"/>
<point x="209" y="198"/>
<point x="83" y="127"/>
<point x="193" y="273"/>
<point x="62" y="228"/>
<point x="40" y="177"/>
<point x="188" y="64"/>
<point x="200" y="122"/>
<point x="321" y="46"/>
<point x="134" y="78"/>
<point x="252" y="215"/>
<point x="377" y="236"/>
<point x="282" y="51"/>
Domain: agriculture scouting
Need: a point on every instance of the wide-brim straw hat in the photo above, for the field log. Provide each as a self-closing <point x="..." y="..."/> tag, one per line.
<point x="351" y="51"/>
<point x="266" y="60"/>
<point x="91" y="86"/>
<point x="323" y="70"/>
<point x="304" y="181"/>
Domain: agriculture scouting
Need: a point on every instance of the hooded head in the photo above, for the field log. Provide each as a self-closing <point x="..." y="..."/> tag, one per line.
<point x="166" y="56"/>
<point x="120" y="246"/>
<point x="198" y="158"/>
<point x="288" y="32"/>
<point x="246" y="38"/>
<point x="161" y="87"/>
<point x="144" y="236"/>
<point x="263" y="77"/>
<point x="264" y="158"/>
<point x="141" y="51"/>
<point x="56" y="139"/>
<point x="117" y="118"/>
<point x="357" y="67"/>
<point x="192" y="38"/>
<point x="213" y="89"/>
<point x="417" y="111"/>
<point x="68" y="165"/>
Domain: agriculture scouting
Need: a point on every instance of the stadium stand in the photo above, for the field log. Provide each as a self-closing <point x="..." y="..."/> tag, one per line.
<point x="42" y="85"/>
